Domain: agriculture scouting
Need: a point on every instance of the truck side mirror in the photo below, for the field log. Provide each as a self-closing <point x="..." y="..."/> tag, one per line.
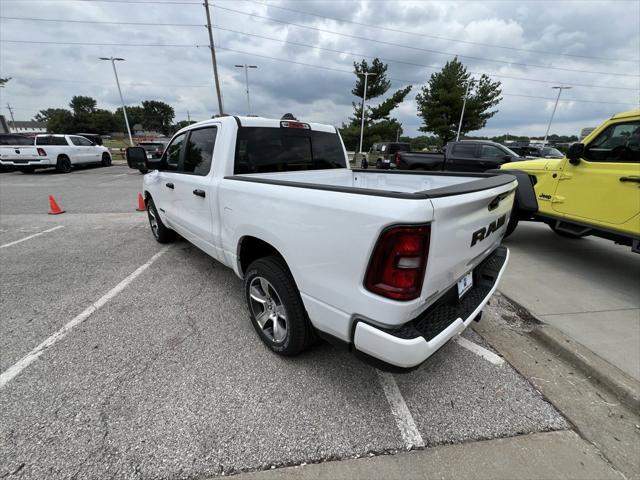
<point x="506" y="158"/>
<point x="575" y="152"/>
<point x="136" y="157"/>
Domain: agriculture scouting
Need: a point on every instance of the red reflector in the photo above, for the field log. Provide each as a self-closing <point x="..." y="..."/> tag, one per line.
<point x="41" y="152"/>
<point x="289" y="124"/>
<point x="398" y="263"/>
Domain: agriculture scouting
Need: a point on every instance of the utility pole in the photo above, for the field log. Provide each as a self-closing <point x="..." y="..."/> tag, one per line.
<point x="13" y="122"/>
<point x="364" y="103"/>
<point x="113" y="61"/>
<point x="559" y="88"/>
<point x="464" y="104"/>
<point x="213" y="58"/>
<point x="246" y="77"/>
<point x="188" y="117"/>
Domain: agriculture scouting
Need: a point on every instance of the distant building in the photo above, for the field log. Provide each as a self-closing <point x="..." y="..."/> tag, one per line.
<point x="27" y="127"/>
<point x="139" y="131"/>
<point x="586" y="131"/>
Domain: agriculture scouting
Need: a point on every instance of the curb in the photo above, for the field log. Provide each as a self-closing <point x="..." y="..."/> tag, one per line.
<point x="624" y="387"/>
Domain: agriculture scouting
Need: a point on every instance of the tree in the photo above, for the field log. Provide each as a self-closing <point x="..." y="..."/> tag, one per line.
<point x="45" y="115"/>
<point x="181" y="124"/>
<point x="101" y="121"/>
<point x="60" y="121"/>
<point x="440" y="101"/>
<point x="3" y="81"/>
<point x="82" y="105"/>
<point x="157" y="116"/>
<point x="135" y="115"/>
<point x="379" y="126"/>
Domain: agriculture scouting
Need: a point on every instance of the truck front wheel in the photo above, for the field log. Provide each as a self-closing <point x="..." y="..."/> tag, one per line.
<point x="160" y="232"/>
<point x="275" y="307"/>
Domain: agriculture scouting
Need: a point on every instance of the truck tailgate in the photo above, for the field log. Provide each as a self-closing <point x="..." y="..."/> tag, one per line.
<point x="18" y="153"/>
<point x="465" y="229"/>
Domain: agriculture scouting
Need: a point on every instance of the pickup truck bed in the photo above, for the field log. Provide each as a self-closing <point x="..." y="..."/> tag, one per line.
<point x="369" y="255"/>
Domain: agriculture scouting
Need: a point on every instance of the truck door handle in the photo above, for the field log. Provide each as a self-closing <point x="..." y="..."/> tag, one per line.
<point x="200" y="193"/>
<point x="169" y="185"/>
<point x="630" y="179"/>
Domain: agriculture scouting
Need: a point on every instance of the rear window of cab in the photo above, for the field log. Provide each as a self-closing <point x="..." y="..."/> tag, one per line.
<point x="267" y="149"/>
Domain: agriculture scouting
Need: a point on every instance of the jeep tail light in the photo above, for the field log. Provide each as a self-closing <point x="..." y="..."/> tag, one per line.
<point x="41" y="152"/>
<point x="397" y="159"/>
<point x="397" y="266"/>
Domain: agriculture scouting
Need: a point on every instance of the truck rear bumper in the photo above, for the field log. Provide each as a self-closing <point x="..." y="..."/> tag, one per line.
<point x="414" y="342"/>
<point x="30" y="162"/>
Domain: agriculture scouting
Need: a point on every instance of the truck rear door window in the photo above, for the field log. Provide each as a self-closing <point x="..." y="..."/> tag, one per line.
<point x="264" y="150"/>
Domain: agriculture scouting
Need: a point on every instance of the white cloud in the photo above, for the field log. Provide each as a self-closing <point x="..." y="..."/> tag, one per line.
<point x="48" y="75"/>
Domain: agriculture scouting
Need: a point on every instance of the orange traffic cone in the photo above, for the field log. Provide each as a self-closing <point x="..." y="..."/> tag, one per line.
<point x="54" y="209"/>
<point x="141" y="207"/>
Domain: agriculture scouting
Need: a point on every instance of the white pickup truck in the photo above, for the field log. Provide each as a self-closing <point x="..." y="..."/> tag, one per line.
<point x="59" y="151"/>
<point x="390" y="264"/>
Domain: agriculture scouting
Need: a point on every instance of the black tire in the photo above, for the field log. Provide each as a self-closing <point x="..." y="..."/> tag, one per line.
<point x="143" y="170"/>
<point x="106" y="160"/>
<point x="511" y="226"/>
<point x="299" y="333"/>
<point x="363" y="163"/>
<point x="565" y="234"/>
<point x="63" y="165"/>
<point x="379" y="164"/>
<point x="160" y="232"/>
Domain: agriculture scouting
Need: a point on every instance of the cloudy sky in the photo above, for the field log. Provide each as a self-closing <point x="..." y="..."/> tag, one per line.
<point x="304" y="50"/>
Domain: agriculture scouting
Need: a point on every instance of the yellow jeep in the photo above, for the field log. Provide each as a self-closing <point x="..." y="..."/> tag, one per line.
<point x="594" y="190"/>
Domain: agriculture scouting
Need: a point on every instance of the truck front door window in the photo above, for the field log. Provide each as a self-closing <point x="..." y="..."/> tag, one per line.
<point x="174" y="151"/>
<point x="617" y="143"/>
<point x="199" y="151"/>
<point x="489" y="151"/>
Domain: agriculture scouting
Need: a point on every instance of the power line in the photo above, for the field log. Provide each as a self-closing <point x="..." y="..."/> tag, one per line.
<point x="105" y="44"/>
<point x="407" y="82"/>
<point x="104" y="22"/>
<point x="424" y="35"/>
<point x="310" y="46"/>
<point x="411" y="47"/>
<point x="435" y="68"/>
<point x="162" y="2"/>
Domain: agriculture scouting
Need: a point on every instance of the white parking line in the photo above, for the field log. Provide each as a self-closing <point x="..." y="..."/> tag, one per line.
<point x="14" y="370"/>
<point x="488" y="355"/>
<point x="404" y="419"/>
<point x="31" y="236"/>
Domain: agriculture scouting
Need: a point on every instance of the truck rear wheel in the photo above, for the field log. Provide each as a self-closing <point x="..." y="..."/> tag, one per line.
<point x="275" y="307"/>
<point x="63" y="165"/>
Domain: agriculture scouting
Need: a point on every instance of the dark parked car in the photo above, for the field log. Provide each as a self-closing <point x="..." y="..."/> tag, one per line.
<point x="154" y="149"/>
<point x="15" y="139"/>
<point x="530" y="151"/>
<point x="463" y="156"/>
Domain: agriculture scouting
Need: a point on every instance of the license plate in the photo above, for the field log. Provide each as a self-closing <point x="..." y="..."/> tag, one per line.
<point x="464" y="284"/>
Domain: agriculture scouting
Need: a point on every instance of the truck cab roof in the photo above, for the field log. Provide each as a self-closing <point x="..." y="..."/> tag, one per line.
<point x="251" y="121"/>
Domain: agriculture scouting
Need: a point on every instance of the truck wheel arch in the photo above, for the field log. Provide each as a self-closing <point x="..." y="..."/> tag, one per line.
<point x="251" y="248"/>
<point x="526" y="201"/>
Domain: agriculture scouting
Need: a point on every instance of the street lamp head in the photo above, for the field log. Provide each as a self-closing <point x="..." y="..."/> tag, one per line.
<point x="118" y="59"/>
<point x="104" y="58"/>
<point x="252" y="66"/>
<point x="240" y="66"/>
<point x="561" y="88"/>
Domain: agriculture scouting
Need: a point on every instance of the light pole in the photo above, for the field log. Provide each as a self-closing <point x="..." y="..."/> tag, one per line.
<point x="559" y="88"/>
<point x="464" y="104"/>
<point x="246" y="78"/>
<point x="364" y="101"/>
<point x="113" y="61"/>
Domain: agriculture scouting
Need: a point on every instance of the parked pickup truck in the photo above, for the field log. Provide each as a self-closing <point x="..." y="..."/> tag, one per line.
<point x="58" y="151"/>
<point x="390" y="264"/>
<point x="463" y="156"/>
<point x="595" y="190"/>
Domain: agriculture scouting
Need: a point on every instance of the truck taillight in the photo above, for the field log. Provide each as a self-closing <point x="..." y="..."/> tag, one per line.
<point x="41" y="152"/>
<point x="397" y="266"/>
<point x="397" y="159"/>
<point x="290" y="124"/>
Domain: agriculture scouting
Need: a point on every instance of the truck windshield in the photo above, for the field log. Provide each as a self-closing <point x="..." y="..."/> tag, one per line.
<point x="264" y="150"/>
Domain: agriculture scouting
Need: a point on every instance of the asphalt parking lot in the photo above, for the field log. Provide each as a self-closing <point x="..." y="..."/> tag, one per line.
<point x="164" y="377"/>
